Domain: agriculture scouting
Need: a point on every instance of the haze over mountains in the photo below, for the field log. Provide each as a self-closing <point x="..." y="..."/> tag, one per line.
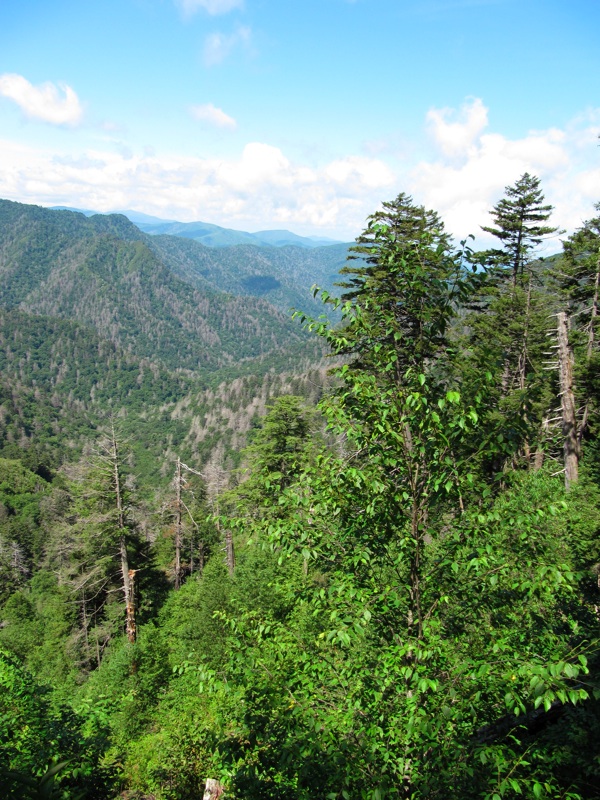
<point x="209" y="234"/>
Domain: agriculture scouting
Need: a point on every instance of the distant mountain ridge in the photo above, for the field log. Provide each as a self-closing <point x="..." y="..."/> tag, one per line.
<point x="209" y="234"/>
<point x="100" y="271"/>
<point x="170" y="336"/>
<point x="281" y="274"/>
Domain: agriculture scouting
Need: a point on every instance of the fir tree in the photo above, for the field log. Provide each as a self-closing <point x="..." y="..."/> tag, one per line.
<point x="519" y="225"/>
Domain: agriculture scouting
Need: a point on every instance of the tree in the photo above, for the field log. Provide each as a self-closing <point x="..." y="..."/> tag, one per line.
<point x="508" y="330"/>
<point x="518" y="224"/>
<point x="277" y="454"/>
<point x="422" y="625"/>
<point x="579" y="281"/>
<point x="394" y="312"/>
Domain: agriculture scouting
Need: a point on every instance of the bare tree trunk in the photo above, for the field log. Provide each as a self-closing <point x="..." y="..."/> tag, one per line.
<point x="590" y="347"/>
<point x="569" y="415"/>
<point x="130" y="624"/>
<point x="213" y="790"/>
<point x="127" y="575"/>
<point x="178" y="527"/>
<point x="230" y="554"/>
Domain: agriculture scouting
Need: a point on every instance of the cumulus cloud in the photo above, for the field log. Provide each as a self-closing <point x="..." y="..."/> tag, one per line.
<point x="58" y="105"/>
<point x="213" y="116"/>
<point x="471" y="167"/>
<point x="212" y="7"/>
<point x="261" y="187"/>
<point x="217" y="46"/>
<point x="456" y="137"/>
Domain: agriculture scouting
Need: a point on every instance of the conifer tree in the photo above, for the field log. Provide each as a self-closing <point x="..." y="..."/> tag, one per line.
<point x="508" y="333"/>
<point x="398" y="304"/>
<point x="281" y="448"/>
<point x="519" y="225"/>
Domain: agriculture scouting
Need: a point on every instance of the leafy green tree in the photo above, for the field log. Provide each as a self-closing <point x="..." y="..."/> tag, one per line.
<point x="423" y="625"/>
<point x="44" y="751"/>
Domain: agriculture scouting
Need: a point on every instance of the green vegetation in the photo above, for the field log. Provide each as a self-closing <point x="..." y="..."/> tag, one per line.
<point x="376" y="583"/>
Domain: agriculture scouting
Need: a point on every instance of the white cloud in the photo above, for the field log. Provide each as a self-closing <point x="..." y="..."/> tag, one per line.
<point x="359" y="170"/>
<point x="213" y="115"/>
<point x="213" y="7"/>
<point x="260" y="188"/>
<point x="217" y="46"/>
<point x="263" y="186"/>
<point x="471" y="167"/>
<point x="58" y="105"/>
<point x="455" y="138"/>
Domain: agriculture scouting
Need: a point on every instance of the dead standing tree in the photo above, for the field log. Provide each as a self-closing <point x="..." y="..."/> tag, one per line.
<point x="180" y="507"/>
<point x="217" y="479"/>
<point x="567" y="397"/>
<point x="127" y="574"/>
<point x="116" y="526"/>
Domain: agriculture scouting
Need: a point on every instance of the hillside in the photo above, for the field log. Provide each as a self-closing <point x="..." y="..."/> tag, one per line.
<point x="209" y="234"/>
<point x="100" y="271"/>
<point x="282" y="275"/>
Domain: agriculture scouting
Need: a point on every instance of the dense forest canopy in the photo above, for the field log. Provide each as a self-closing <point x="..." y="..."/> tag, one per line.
<point x="375" y="579"/>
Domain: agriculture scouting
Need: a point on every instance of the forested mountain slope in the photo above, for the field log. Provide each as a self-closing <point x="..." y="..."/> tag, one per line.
<point x="60" y="384"/>
<point x="390" y="596"/>
<point x="281" y="275"/>
<point x="99" y="271"/>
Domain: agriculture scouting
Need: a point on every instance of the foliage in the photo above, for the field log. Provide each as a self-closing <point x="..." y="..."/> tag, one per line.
<point x="43" y="752"/>
<point x="413" y="609"/>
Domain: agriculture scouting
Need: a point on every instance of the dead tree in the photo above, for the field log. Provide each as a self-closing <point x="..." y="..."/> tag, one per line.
<point x="127" y="574"/>
<point x="591" y="343"/>
<point x="568" y="408"/>
<point x="213" y="790"/>
<point x="178" y="525"/>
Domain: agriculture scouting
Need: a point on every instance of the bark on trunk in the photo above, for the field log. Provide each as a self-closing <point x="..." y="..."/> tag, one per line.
<point x="213" y="790"/>
<point x="590" y="347"/>
<point x="127" y="575"/>
<point x="567" y="396"/>
<point x="178" y="527"/>
<point x="230" y="554"/>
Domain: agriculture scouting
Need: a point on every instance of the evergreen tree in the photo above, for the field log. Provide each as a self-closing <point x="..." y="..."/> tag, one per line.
<point x="405" y="282"/>
<point x="519" y="225"/>
<point x="507" y="332"/>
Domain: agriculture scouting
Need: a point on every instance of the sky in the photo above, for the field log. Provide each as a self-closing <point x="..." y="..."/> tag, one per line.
<point x="261" y="114"/>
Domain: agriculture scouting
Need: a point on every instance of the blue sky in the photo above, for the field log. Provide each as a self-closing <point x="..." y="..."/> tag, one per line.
<point x="259" y="114"/>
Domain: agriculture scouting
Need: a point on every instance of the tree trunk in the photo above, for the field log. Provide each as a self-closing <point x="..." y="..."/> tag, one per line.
<point x="127" y="575"/>
<point x="178" y="527"/>
<point x="590" y="347"/>
<point x="213" y="790"/>
<point x="569" y="415"/>
<point x="230" y="554"/>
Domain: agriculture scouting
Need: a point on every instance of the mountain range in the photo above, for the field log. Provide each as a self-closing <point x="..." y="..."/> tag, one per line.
<point x="184" y="343"/>
<point x="212" y="235"/>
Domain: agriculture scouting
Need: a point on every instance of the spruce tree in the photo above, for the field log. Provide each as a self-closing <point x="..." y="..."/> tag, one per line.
<point x="510" y="337"/>
<point x="405" y="281"/>
<point x="519" y="225"/>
